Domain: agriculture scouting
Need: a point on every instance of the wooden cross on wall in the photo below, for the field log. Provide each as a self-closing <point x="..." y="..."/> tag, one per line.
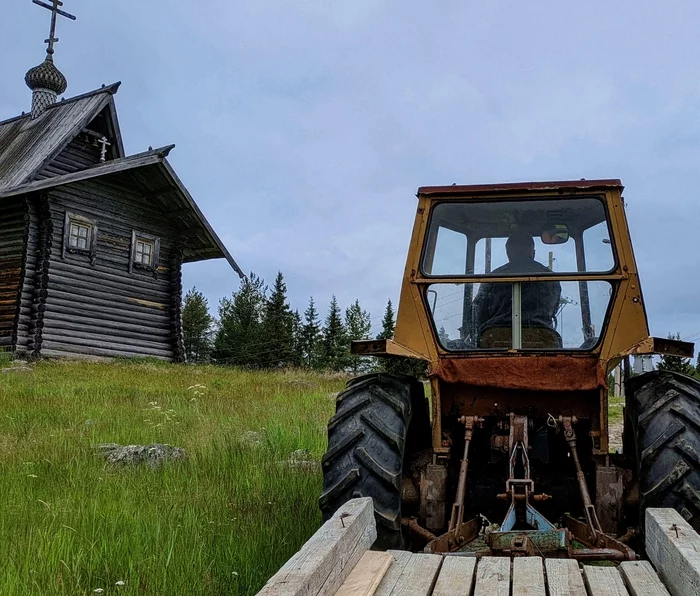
<point x="53" y="7"/>
<point x="103" y="151"/>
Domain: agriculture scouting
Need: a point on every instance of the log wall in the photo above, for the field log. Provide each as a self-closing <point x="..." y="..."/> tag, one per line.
<point x="13" y="231"/>
<point x="95" y="306"/>
<point x="25" y="327"/>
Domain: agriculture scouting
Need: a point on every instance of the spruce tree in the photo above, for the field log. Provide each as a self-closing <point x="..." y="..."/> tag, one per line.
<point x="297" y="356"/>
<point x="240" y="322"/>
<point x="334" y="343"/>
<point x="196" y="326"/>
<point x="310" y="334"/>
<point x="387" y="331"/>
<point x="358" y="324"/>
<point x="277" y="328"/>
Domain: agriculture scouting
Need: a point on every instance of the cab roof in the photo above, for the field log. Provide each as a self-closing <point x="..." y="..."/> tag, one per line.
<point x="481" y="189"/>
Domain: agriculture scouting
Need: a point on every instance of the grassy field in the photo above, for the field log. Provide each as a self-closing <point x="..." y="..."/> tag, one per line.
<point x="220" y="522"/>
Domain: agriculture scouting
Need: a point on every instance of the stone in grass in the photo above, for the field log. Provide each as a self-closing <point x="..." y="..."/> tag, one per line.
<point x="153" y="455"/>
<point x="300" y="460"/>
<point x="18" y="367"/>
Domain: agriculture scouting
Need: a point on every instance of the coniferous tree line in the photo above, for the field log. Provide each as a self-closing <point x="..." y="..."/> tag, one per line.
<point x="257" y="328"/>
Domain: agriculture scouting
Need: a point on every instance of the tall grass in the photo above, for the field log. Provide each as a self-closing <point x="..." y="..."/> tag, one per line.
<point x="221" y="522"/>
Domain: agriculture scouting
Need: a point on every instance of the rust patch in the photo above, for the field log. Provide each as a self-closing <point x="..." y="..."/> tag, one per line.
<point x="537" y="373"/>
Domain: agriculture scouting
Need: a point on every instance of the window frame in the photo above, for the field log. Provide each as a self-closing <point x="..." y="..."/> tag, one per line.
<point x="144" y="238"/>
<point x="86" y="222"/>
<point x="427" y="238"/>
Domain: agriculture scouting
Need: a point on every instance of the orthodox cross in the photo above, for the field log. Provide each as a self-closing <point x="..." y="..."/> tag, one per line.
<point x="103" y="150"/>
<point x="53" y="7"/>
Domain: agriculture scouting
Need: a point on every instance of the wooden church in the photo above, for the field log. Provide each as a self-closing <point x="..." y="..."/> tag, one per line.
<point x="92" y="241"/>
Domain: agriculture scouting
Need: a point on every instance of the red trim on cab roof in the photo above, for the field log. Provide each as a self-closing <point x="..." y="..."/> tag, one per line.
<point x="520" y="186"/>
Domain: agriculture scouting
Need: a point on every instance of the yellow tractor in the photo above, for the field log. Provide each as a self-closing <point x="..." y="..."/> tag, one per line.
<point x="521" y="299"/>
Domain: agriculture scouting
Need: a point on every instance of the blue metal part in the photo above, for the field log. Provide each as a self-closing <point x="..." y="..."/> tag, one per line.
<point x="533" y="517"/>
<point x="509" y="521"/>
<point x="536" y="519"/>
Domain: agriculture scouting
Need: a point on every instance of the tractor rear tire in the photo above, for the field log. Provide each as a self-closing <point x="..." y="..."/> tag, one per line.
<point x="367" y="443"/>
<point x="662" y="425"/>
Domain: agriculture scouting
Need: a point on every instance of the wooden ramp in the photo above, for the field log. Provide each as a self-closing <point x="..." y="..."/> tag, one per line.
<point x="336" y="562"/>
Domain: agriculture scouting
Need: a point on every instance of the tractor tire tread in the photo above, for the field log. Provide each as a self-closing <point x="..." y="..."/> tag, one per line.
<point x="661" y="417"/>
<point x="367" y="438"/>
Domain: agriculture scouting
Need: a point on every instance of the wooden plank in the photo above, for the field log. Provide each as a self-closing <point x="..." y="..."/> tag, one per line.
<point x="493" y="577"/>
<point x="396" y="569"/>
<point x="674" y="549"/>
<point x="456" y="577"/>
<point x="564" y="578"/>
<point x="365" y="578"/>
<point x="604" y="581"/>
<point x="528" y="577"/>
<point x="419" y="575"/>
<point x="641" y="579"/>
<point x="328" y="557"/>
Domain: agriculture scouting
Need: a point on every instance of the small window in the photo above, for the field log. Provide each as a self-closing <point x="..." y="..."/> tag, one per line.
<point x="79" y="236"/>
<point x="144" y="251"/>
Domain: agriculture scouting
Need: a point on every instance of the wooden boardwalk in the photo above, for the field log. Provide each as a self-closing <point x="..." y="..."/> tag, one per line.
<point x="421" y="574"/>
<point x="336" y="562"/>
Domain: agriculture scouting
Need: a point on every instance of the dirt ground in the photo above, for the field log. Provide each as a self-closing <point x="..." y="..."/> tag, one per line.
<point x="615" y="436"/>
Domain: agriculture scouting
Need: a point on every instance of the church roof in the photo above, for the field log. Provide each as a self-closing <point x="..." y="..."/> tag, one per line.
<point x="27" y="145"/>
<point x="151" y="173"/>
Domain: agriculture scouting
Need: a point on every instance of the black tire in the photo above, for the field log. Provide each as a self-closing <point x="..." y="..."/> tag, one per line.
<point x="662" y="424"/>
<point x="367" y="441"/>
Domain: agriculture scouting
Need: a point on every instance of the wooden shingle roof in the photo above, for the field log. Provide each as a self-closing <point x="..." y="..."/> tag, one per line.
<point x="27" y="145"/>
<point x="153" y="175"/>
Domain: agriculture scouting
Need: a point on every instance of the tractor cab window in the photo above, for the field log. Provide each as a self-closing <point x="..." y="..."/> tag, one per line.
<point x="553" y="315"/>
<point x="470" y="238"/>
<point x="513" y="247"/>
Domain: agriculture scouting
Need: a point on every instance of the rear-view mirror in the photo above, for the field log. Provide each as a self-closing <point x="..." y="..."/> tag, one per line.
<point x="554" y="234"/>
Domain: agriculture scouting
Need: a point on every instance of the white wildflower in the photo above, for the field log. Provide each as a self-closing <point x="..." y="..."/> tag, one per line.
<point x="32" y="476"/>
<point x="119" y="583"/>
<point x="98" y="590"/>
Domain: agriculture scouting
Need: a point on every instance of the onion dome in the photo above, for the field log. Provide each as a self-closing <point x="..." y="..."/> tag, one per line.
<point x="46" y="76"/>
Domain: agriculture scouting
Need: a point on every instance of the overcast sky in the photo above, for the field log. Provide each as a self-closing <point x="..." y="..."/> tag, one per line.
<point x="303" y="128"/>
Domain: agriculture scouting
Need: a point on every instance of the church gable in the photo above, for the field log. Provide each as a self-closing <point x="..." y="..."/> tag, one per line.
<point x="97" y="142"/>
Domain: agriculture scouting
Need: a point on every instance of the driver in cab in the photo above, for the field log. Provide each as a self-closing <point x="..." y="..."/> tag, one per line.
<point x="539" y="300"/>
